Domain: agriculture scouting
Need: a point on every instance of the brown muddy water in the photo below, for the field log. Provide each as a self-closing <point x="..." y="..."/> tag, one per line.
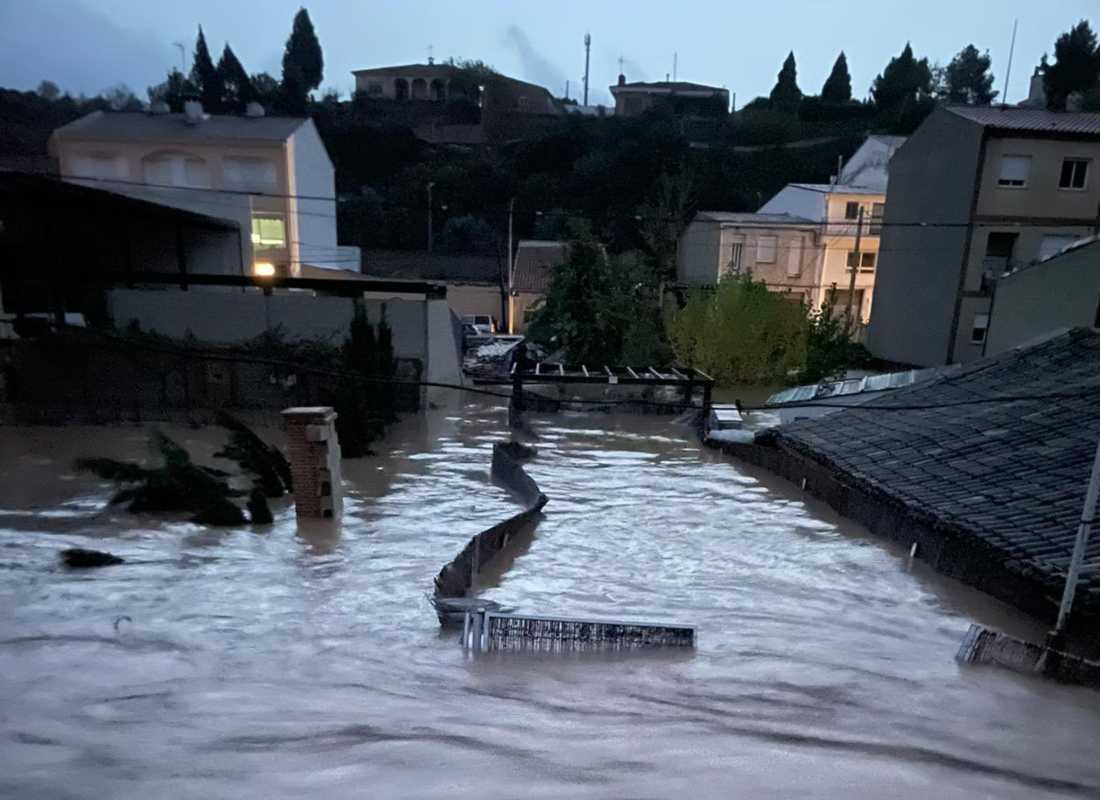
<point x="295" y="662"/>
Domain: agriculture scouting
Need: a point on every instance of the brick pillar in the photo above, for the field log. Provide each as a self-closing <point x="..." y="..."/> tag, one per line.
<point x="314" y="454"/>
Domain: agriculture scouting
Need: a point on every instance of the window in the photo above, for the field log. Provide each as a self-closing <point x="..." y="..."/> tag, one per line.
<point x="878" y="211"/>
<point x="99" y="165"/>
<point x="175" y="169"/>
<point x="374" y="88"/>
<point x="981" y="325"/>
<point x="866" y="261"/>
<point x="765" y="249"/>
<point x="268" y="231"/>
<point x="250" y="174"/>
<point x="1014" y="171"/>
<point x="737" y="254"/>
<point x="1051" y="244"/>
<point x="1075" y="172"/>
<point x="851" y="211"/>
<point x="522" y="103"/>
<point x="794" y="260"/>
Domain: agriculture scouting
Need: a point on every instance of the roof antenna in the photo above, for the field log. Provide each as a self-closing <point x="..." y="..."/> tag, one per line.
<point x="1008" y="71"/>
<point x="431" y="54"/>
<point x="675" y="55"/>
<point x="587" y="50"/>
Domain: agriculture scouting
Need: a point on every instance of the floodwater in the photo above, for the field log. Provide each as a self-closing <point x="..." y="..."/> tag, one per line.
<point x="293" y="662"/>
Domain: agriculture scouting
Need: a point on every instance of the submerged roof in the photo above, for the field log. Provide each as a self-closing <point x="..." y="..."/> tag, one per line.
<point x="1011" y="474"/>
<point x="143" y="126"/>
<point x="1030" y="120"/>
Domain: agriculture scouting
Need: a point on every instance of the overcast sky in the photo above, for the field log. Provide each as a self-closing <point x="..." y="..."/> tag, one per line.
<point x="88" y="45"/>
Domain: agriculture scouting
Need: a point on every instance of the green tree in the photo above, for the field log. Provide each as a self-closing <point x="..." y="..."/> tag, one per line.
<point x="265" y="90"/>
<point x="741" y="333"/>
<point x="120" y="98"/>
<point x="661" y="220"/>
<point x="174" y="91"/>
<point x="303" y="63"/>
<point x="48" y="90"/>
<point x="236" y="86"/>
<point x="904" y="81"/>
<point x="1076" y="65"/>
<point x="205" y="76"/>
<point x="967" y="78"/>
<point x="786" y="95"/>
<point x="838" y="86"/>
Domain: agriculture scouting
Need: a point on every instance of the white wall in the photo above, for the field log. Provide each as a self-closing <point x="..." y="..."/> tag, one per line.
<point x="312" y="175"/>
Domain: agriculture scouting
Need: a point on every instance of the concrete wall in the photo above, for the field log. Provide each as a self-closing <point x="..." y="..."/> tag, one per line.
<point x="1041" y="197"/>
<point x="312" y="175"/>
<point x="1036" y="301"/>
<point x="475" y="298"/>
<point x="698" y="253"/>
<point x="932" y="179"/>
<point x="230" y="316"/>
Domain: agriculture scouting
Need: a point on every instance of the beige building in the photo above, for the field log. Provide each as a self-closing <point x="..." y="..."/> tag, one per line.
<point x="810" y="255"/>
<point x="533" y="270"/>
<point x="270" y="176"/>
<point x="975" y="193"/>
<point x="1046" y="298"/>
<point x="442" y="83"/>
<point x="682" y="97"/>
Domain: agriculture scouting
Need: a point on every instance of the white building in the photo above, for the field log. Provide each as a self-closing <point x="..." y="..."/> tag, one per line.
<point x="270" y="175"/>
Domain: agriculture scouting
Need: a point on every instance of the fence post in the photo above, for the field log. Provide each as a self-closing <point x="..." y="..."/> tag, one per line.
<point x="314" y="461"/>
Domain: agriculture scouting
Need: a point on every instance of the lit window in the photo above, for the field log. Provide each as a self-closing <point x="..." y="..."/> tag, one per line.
<point x="268" y="231"/>
<point x="1075" y="173"/>
<point x="765" y="249"/>
<point x="851" y="211"/>
<point x="981" y="325"/>
<point x="1014" y="171"/>
<point x="263" y="269"/>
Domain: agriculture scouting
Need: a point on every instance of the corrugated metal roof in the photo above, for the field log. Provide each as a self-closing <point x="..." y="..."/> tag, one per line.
<point x="172" y="128"/>
<point x="1031" y="120"/>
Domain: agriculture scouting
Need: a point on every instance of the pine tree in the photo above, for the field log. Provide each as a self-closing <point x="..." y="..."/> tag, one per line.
<point x="175" y="89"/>
<point x="205" y="77"/>
<point x="904" y="81"/>
<point x="1076" y="65"/>
<point x="236" y="87"/>
<point x="967" y="78"/>
<point x="303" y="64"/>
<point x="838" y="86"/>
<point x="786" y="95"/>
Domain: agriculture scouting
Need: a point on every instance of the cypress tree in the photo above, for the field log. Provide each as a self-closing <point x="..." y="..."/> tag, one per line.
<point x="303" y="63"/>
<point x="786" y="95"/>
<point x="205" y="77"/>
<point x="838" y="86"/>
<point x="236" y="86"/>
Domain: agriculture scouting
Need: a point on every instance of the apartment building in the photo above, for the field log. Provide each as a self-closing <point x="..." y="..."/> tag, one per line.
<point x="975" y="193"/>
<point x="269" y="176"/>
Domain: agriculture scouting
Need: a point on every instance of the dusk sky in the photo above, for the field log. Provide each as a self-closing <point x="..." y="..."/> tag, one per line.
<point x="88" y="45"/>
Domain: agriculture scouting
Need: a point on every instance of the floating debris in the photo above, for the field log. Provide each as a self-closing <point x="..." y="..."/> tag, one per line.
<point x="258" y="511"/>
<point x="256" y="457"/>
<point x="983" y="646"/>
<point x="488" y="630"/>
<point x="80" y="558"/>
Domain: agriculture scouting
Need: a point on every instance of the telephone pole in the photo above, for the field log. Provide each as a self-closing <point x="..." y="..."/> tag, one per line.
<point x="855" y="269"/>
<point x="587" y="52"/>
<point x="430" y="237"/>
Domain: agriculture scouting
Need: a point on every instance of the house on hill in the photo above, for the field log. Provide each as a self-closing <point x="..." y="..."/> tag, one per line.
<point x="683" y="98"/>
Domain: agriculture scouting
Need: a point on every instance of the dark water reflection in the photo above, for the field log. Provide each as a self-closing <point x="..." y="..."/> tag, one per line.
<point x="290" y="662"/>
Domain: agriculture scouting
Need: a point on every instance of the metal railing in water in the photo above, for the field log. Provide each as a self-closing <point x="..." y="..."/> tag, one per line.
<point x="486" y="630"/>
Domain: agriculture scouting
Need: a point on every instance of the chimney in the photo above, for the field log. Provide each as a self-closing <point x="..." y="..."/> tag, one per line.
<point x="192" y="112"/>
<point x="1036" y="92"/>
<point x="622" y="79"/>
<point x="159" y="107"/>
<point x="253" y="110"/>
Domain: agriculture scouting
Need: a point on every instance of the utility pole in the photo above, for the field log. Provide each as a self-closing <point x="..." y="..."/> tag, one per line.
<point x="587" y="52"/>
<point x="511" y="272"/>
<point x="183" y="56"/>
<point x="855" y="269"/>
<point x="674" y="60"/>
<point x="430" y="238"/>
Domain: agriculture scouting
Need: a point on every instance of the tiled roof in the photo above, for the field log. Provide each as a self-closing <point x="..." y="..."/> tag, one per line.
<point x="141" y="126"/>
<point x="836" y="188"/>
<point x="419" y="265"/>
<point x="1031" y="120"/>
<point x="669" y="86"/>
<point x="1012" y="475"/>
<point x="535" y="262"/>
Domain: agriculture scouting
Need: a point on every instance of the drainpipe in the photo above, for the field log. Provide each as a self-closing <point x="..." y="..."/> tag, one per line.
<point x="1084" y="530"/>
